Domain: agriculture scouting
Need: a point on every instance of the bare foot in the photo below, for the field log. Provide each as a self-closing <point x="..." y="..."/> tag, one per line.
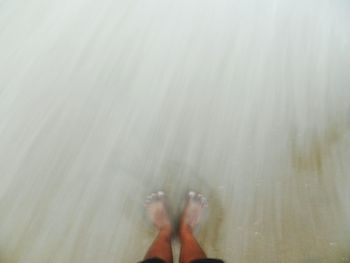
<point x="193" y="211"/>
<point x="157" y="212"/>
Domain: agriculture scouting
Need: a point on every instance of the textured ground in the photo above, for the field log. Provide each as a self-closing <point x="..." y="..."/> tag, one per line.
<point x="103" y="101"/>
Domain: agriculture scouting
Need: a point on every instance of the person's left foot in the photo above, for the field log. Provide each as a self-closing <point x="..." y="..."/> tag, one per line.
<point x="157" y="212"/>
<point x="193" y="212"/>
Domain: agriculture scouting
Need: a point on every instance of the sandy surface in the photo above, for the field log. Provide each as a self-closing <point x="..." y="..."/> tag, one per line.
<point x="102" y="102"/>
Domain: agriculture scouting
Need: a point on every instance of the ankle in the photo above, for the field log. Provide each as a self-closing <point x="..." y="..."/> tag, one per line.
<point x="185" y="231"/>
<point x="166" y="231"/>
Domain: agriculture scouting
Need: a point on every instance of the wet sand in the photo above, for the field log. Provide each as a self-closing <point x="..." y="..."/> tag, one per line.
<point x="102" y="102"/>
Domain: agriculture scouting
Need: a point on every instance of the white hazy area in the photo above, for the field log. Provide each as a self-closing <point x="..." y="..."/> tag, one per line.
<point x="103" y="102"/>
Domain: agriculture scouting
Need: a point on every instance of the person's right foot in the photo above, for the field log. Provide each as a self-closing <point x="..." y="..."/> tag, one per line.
<point x="193" y="211"/>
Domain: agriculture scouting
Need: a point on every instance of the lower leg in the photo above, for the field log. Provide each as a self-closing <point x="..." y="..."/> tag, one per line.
<point x="161" y="247"/>
<point x="157" y="212"/>
<point x="190" y="248"/>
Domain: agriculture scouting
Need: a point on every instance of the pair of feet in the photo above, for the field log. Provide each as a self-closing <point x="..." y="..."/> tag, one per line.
<point x="157" y="211"/>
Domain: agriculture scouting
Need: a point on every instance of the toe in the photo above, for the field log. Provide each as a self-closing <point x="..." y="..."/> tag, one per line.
<point x="160" y="194"/>
<point x="191" y="194"/>
<point x="154" y="196"/>
<point x="150" y="198"/>
<point x="204" y="201"/>
<point x="199" y="197"/>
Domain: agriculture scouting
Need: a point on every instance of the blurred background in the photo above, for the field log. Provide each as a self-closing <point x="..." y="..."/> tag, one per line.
<point x="102" y="102"/>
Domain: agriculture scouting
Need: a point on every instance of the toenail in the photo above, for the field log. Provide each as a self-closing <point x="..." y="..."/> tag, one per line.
<point x="191" y="194"/>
